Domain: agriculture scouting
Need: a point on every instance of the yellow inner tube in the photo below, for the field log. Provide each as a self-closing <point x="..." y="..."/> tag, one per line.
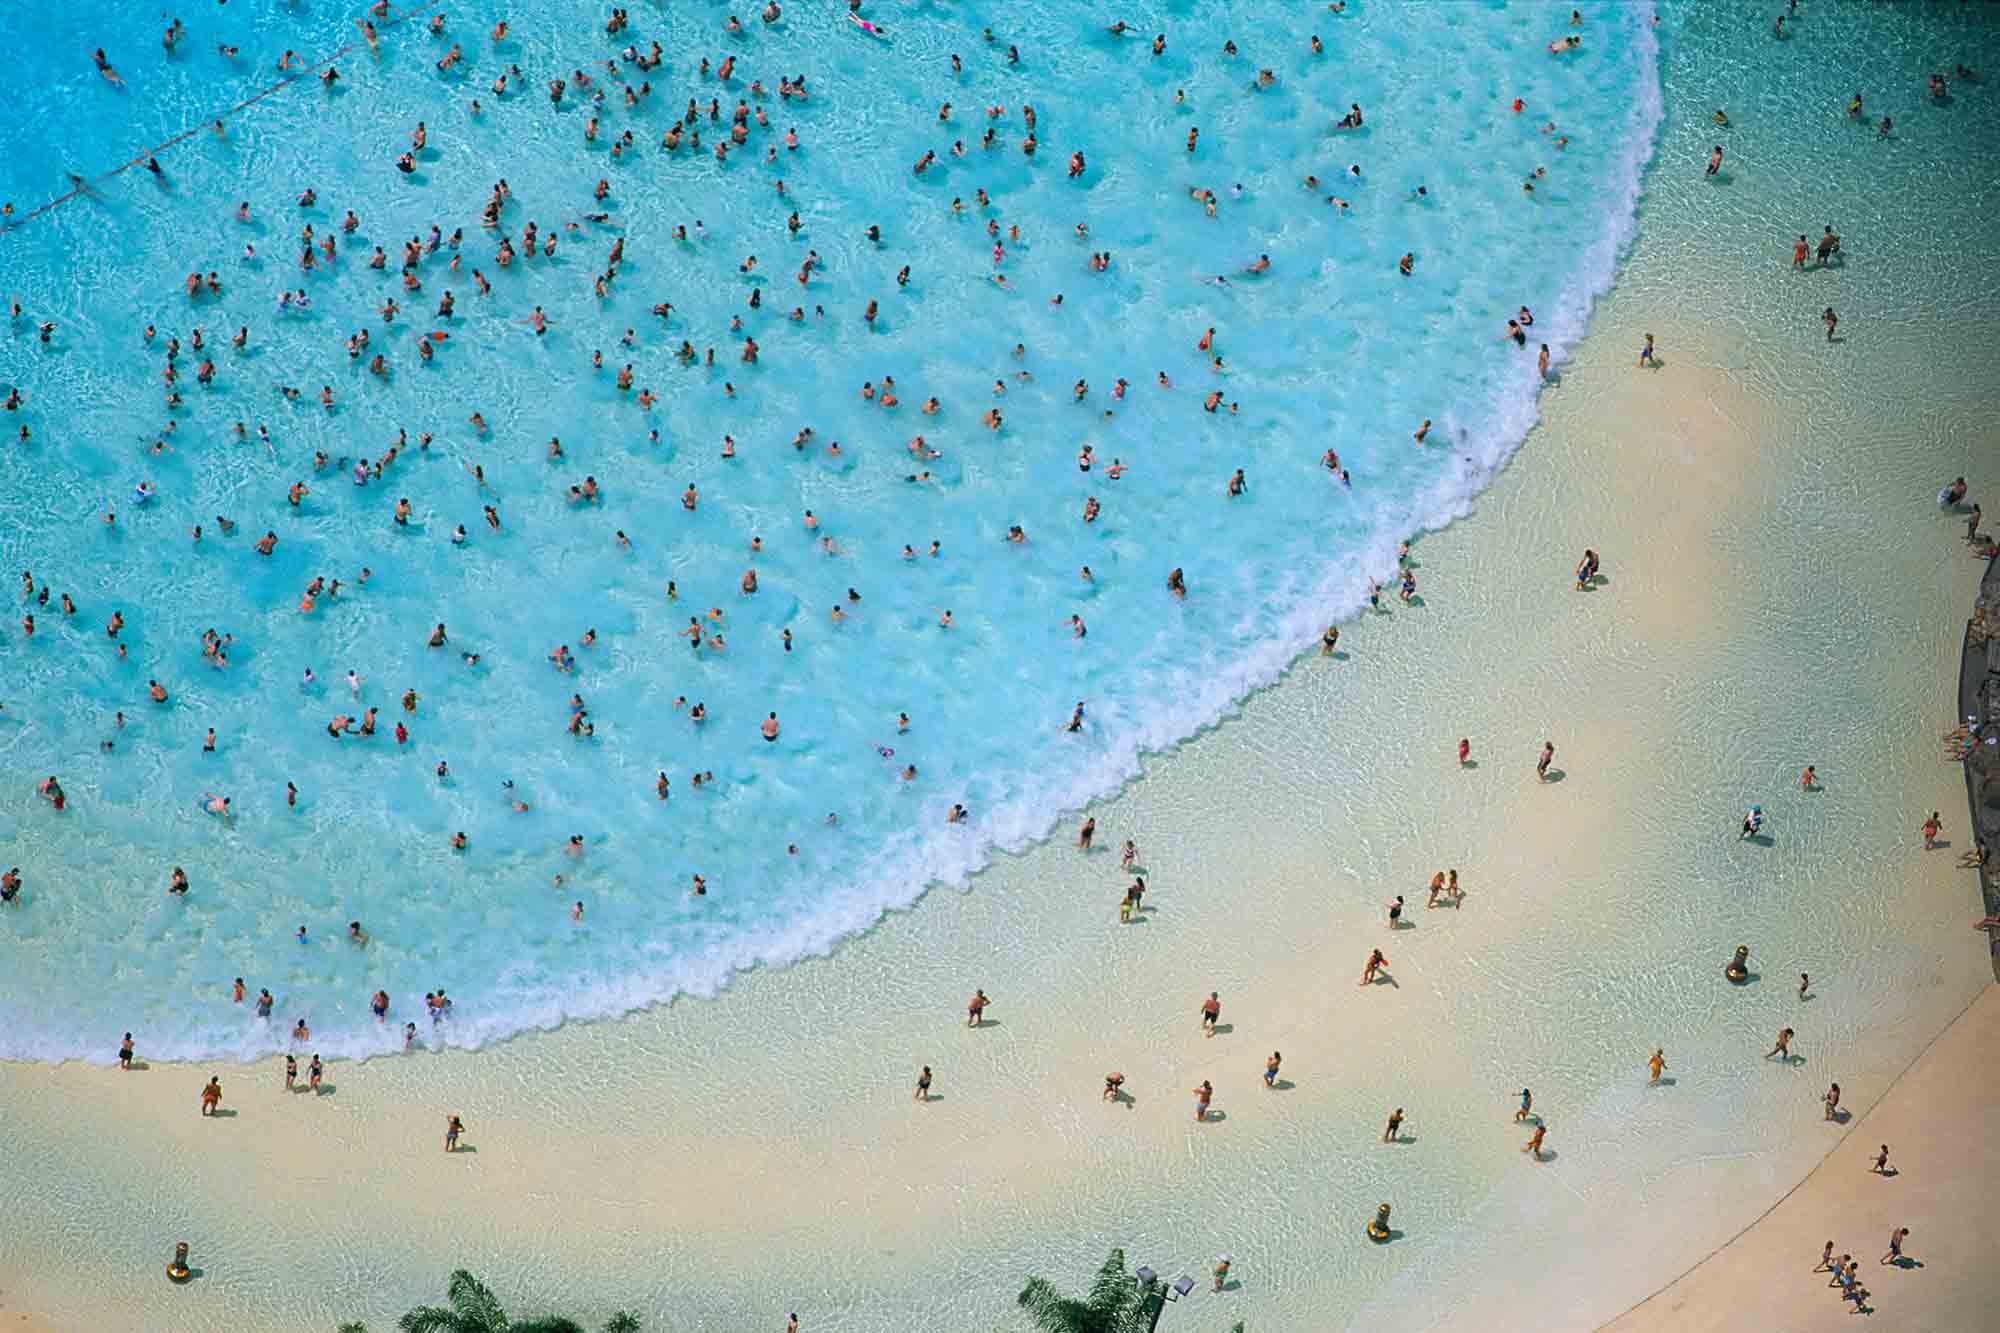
<point x="177" y="1273"/>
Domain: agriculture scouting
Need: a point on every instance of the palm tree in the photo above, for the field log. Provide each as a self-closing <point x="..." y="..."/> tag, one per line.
<point x="474" y="1309"/>
<point x="1114" y="1304"/>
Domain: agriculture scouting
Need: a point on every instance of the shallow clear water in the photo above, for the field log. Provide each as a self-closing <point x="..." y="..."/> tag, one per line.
<point x="1330" y="348"/>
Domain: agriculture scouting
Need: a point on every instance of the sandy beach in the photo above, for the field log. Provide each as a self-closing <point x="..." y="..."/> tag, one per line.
<point x="1937" y="1184"/>
<point x="1780" y="590"/>
<point x="703" y="1162"/>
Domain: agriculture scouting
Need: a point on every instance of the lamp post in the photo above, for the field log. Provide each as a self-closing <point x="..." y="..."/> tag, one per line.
<point x="1150" y="1289"/>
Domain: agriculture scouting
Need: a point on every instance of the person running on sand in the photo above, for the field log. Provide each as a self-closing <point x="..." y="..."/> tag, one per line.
<point x="1211" y="1012"/>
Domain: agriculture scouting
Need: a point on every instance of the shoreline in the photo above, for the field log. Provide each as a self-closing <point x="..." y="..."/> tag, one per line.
<point x="653" y="1107"/>
<point x="717" y="1162"/>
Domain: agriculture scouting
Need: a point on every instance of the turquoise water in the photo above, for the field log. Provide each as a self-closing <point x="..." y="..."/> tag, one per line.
<point x="811" y="837"/>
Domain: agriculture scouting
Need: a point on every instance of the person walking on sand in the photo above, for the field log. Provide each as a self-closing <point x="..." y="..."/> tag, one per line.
<point x="1527" y="1106"/>
<point x="291" y="1072"/>
<point x="1931" y="828"/>
<point x="1202" y="1095"/>
<point x="1464" y="751"/>
<point x="1395" y="1126"/>
<point x="211" y="1096"/>
<point x="1211" y="1010"/>
<point x="1784" y="1046"/>
<point x="1825" y="1263"/>
<point x="1542" y="764"/>
<point x="975" y="1009"/>
<point x="1271" y="1069"/>
<point x="1086" y="833"/>
<point x="1533" y="1147"/>
<point x="453" y="1127"/>
<point x="1377" y="960"/>
<point x="1833" y="1102"/>
<point x="1114" y="1086"/>
<point x="1831" y="320"/>
<point x="1881" y="1167"/>
<point x="1805" y="984"/>
<point x="1895" y="1254"/>
<point x="1656" y="1064"/>
<point x="924" y="1085"/>
<point x="125" y="1052"/>
<point x="1646" y="352"/>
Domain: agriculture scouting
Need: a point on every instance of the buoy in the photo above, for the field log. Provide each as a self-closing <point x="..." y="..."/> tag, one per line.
<point x="177" y="1267"/>
<point x="1378" y="1227"/>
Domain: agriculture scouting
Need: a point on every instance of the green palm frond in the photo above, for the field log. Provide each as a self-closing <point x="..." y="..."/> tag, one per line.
<point x="1112" y="1291"/>
<point x="622" y="1322"/>
<point x="1111" y="1307"/>
<point x="554" y="1323"/>
<point x="475" y="1303"/>
<point x="433" y="1319"/>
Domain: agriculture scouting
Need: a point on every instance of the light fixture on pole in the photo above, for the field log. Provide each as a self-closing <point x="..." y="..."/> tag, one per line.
<point x="1150" y="1290"/>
